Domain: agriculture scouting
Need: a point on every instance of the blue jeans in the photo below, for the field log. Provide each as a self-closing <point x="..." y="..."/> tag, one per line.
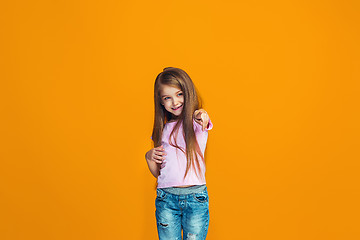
<point x="188" y="212"/>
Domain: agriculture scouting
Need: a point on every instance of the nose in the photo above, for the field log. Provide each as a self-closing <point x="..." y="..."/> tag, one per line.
<point x="175" y="102"/>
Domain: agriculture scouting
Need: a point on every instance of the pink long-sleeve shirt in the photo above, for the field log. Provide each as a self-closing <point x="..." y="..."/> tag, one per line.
<point x="173" y="168"/>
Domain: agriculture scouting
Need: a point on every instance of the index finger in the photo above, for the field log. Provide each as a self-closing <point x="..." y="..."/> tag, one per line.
<point x="205" y="122"/>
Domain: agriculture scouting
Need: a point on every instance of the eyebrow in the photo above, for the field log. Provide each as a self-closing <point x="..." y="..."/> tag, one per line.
<point x="168" y="95"/>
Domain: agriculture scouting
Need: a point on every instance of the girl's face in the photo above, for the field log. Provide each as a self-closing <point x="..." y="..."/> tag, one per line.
<point x="173" y="99"/>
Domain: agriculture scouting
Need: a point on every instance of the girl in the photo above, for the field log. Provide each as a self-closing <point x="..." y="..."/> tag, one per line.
<point x="179" y="135"/>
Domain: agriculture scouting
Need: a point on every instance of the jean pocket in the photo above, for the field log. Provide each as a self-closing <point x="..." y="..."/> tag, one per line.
<point x="160" y="194"/>
<point x="201" y="197"/>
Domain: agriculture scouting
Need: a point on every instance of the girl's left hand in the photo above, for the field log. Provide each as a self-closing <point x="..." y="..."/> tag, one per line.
<point x="202" y="117"/>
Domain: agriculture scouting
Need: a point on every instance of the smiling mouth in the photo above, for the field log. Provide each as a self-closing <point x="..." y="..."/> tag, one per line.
<point x="177" y="107"/>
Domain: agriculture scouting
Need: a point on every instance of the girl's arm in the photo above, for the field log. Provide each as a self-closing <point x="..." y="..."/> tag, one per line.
<point x="154" y="158"/>
<point x="153" y="166"/>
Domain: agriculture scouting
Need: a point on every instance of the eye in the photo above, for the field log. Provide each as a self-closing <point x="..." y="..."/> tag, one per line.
<point x="180" y="94"/>
<point x="166" y="98"/>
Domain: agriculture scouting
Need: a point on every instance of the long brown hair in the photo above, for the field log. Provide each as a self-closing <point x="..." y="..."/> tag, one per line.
<point x="176" y="77"/>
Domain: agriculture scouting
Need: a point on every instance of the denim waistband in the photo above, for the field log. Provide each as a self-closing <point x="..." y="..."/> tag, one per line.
<point x="185" y="190"/>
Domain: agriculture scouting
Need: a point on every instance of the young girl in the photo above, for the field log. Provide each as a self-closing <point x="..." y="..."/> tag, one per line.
<point x="179" y="135"/>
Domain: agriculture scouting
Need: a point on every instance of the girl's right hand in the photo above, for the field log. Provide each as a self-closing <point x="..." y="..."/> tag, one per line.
<point x="157" y="154"/>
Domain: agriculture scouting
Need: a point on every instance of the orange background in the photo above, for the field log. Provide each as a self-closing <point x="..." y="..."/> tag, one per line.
<point x="279" y="79"/>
